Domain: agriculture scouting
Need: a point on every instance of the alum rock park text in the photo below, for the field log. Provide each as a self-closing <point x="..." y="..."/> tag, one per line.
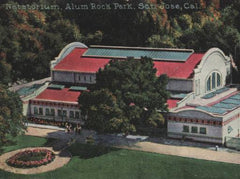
<point x="130" y="6"/>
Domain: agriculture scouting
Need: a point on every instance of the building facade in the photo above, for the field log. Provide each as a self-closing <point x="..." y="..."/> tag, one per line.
<point x="196" y="82"/>
<point x="210" y="118"/>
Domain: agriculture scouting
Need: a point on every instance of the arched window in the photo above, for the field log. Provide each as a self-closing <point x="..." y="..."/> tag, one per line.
<point x="213" y="81"/>
<point x="209" y="84"/>
<point x="218" y="79"/>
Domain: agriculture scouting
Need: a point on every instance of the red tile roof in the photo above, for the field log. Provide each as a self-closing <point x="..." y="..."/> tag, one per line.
<point x="178" y="69"/>
<point x="75" y="62"/>
<point x="64" y="95"/>
<point x="172" y="103"/>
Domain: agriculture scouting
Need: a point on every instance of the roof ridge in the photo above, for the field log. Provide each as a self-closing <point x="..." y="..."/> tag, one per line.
<point x="142" y="48"/>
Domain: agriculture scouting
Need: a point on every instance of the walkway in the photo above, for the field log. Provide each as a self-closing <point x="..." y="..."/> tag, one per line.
<point x="44" y="126"/>
<point x="189" y="152"/>
<point x="61" y="159"/>
<point x="206" y="153"/>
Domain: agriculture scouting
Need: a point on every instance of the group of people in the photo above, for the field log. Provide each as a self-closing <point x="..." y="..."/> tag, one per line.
<point x="77" y="129"/>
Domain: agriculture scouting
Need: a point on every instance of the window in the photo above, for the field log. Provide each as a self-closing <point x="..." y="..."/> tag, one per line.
<point x="218" y="80"/>
<point x="90" y="78"/>
<point x="40" y="111"/>
<point x="64" y="113"/>
<point x="185" y="128"/>
<point x="77" y="115"/>
<point x="194" y="129"/>
<point x="203" y="130"/>
<point x="213" y="81"/>
<point x="209" y="84"/>
<point x="71" y="114"/>
<point x="59" y="112"/>
<point x="47" y="112"/>
<point x="85" y="79"/>
<point x="52" y="112"/>
<point x="35" y="110"/>
<point x="230" y="129"/>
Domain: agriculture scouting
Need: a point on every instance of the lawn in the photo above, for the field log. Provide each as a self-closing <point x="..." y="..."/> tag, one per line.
<point x="90" y="161"/>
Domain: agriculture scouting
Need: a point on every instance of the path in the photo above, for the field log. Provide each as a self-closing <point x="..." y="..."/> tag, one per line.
<point x="61" y="159"/>
<point x="183" y="151"/>
<point x="189" y="152"/>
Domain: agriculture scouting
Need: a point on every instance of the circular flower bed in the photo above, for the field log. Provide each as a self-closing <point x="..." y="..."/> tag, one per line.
<point x="31" y="158"/>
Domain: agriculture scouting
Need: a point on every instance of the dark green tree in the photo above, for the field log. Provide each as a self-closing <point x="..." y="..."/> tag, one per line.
<point x="102" y="111"/>
<point x="5" y="71"/>
<point x="11" y="117"/>
<point x="138" y="93"/>
<point x="134" y="81"/>
<point x="212" y="34"/>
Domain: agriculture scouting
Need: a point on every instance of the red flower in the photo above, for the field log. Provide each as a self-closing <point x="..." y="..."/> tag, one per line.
<point x="16" y="161"/>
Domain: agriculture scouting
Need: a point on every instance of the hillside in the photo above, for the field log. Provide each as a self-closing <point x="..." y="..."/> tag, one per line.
<point x="31" y="38"/>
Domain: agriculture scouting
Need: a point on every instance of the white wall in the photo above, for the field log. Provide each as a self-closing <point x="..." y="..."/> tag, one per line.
<point x="214" y="133"/>
<point x="74" y="78"/>
<point x="65" y="51"/>
<point x="88" y="78"/>
<point x="213" y="60"/>
<point x="235" y="128"/>
<point x="177" y="127"/>
<point x="195" y="114"/>
<point x="234" y="118"/>
<point x="62" y="76"/>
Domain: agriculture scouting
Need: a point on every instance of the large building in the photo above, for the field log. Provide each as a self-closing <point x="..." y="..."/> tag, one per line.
<point x="192" y="76"/>
<point x="210" y="118"/>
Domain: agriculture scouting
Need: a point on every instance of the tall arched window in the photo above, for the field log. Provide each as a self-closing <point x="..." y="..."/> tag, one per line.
<point x="213" y="81"/>
<point x="218" y="79"/>
<point x="209" y="84"/>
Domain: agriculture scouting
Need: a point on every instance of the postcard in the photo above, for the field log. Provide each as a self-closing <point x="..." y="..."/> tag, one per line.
<point x="119" y="89"/>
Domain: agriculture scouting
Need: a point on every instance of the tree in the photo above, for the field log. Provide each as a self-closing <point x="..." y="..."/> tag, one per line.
<point x="11" y="117"/>
<point x="103" y="112"/>
<point x="134" y="81"/>
<point x="135" y="89"/>
<point x="185" y="21"/>
<point x="160" y="41"/>
<point x="212" y="34"/>
<point x="5" y="71"/>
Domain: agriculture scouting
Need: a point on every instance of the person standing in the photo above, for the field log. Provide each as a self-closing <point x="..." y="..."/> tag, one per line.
<point x="79" y="129"/>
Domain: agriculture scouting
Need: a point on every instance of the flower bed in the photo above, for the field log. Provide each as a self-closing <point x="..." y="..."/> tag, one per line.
<point x="46" y="122"/>
<point x="31" y="158"/>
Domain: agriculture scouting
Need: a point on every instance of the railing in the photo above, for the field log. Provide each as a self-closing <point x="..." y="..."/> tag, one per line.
<point x="35" y="93"/>
<point x="185" y="100"/>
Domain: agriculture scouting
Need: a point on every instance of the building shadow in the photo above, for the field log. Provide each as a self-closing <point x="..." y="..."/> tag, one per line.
<point x="76" y="145"/>
<point x="87" y="151"/>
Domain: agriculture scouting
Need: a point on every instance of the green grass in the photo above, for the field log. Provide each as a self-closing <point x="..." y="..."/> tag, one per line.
<point x="90" y="161"/>
<point x="22" y="142"/>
